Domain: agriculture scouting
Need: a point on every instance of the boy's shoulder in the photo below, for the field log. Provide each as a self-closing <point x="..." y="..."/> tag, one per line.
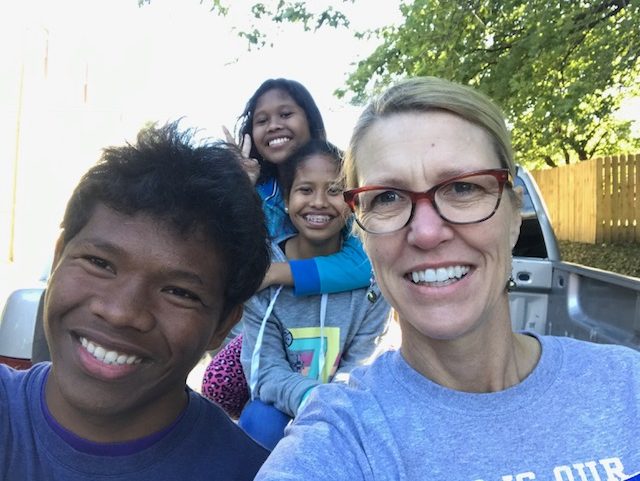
<point x="214" y="445"/>
<point x="228" y="447"/>
<point x="13" y="380"/>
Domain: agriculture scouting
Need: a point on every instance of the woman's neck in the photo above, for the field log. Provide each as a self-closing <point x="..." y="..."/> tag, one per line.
<point x="298" y="247"/>
<point x="472" y="365"/>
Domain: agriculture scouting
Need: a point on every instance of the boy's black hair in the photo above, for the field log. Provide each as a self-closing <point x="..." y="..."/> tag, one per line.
<point x="192" y="189"/>
<point x="288" y="169"/>
<point x="305" y="101"/>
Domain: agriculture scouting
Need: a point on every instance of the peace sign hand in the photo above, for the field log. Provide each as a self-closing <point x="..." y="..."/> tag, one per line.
<point x="249" y="165"/>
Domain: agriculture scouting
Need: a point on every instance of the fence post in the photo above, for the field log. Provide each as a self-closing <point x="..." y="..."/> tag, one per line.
<point x="600" y="194"/>
<point x="636" y="194"/>
<point x="626" y="201"/>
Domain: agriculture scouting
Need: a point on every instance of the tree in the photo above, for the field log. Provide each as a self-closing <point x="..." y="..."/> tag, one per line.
<point x="279" y="11"/>
<point x="559" y="69"/>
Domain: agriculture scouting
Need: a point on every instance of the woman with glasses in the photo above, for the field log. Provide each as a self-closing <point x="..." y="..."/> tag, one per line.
<point x="429" y="176"/>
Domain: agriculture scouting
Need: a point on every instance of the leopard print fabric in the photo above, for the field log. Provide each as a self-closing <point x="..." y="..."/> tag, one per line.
<point x="224" y="382"/>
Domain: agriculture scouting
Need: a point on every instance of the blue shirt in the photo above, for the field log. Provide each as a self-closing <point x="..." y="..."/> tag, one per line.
<point x="343" y="271"/>
<point x="204" y="444"/>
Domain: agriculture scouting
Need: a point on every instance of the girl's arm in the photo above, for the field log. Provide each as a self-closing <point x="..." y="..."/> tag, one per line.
<point x="279" y="273"/>
<point x="345" y="270"/>
<point x="278" y="383"/>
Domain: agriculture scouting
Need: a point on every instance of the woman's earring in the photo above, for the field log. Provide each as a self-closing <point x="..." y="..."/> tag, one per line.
<point x="511" y="282"/>
<point x="372" y="296"/>
<point x="286" y="210"/>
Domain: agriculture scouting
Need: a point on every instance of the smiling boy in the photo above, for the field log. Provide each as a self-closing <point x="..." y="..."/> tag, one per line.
<point x="162" y="242"/>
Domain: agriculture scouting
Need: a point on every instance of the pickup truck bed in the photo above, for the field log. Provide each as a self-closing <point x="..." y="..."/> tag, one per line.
<point x="562" y="298"/>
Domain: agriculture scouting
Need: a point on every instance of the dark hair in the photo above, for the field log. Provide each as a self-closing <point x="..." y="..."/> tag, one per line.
<point x="301" y="96"/>
<point x="313" y="147"/>
<point x="190" y="189"/>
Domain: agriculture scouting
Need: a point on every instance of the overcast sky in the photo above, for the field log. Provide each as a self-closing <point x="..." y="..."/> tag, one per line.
<point x="175" y="58"/>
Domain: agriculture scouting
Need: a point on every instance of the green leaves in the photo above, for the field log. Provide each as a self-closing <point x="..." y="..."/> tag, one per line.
<point x="558" y="68"/>
<point x="278" y="12"/>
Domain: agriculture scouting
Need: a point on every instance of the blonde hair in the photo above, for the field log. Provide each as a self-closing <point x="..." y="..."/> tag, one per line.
<point x="424" y="94"/>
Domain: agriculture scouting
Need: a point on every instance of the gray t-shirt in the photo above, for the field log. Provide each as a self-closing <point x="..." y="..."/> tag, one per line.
<point x="576" y="417"/>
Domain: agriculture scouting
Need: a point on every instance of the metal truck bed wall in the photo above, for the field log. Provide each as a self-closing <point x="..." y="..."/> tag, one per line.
<point x="561" y="298"/>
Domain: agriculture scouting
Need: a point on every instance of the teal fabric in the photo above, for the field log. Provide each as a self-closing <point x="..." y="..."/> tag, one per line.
<point x="343" y="271"/>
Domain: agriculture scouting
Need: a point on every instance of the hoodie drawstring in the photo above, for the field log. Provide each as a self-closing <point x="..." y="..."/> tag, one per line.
<point x="323" y="314"/>
<point x="255" y="355"/>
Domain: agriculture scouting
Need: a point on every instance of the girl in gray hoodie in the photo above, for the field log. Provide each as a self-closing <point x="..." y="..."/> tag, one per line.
<point x="292" y="344"/>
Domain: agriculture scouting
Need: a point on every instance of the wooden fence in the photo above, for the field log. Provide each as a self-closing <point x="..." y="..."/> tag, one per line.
<point x="594" y="201"/>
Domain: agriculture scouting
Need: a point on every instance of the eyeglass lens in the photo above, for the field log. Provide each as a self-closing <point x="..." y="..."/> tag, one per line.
<point x="463" y="200"/>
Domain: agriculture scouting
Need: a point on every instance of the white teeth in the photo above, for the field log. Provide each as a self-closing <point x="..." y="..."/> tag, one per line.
<point x="108" y="357"/>
<point x="99" y="353"/>
<point x="279" y="141"/>
<point x="440" y="275"/>
<point x="317" y="219"/>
